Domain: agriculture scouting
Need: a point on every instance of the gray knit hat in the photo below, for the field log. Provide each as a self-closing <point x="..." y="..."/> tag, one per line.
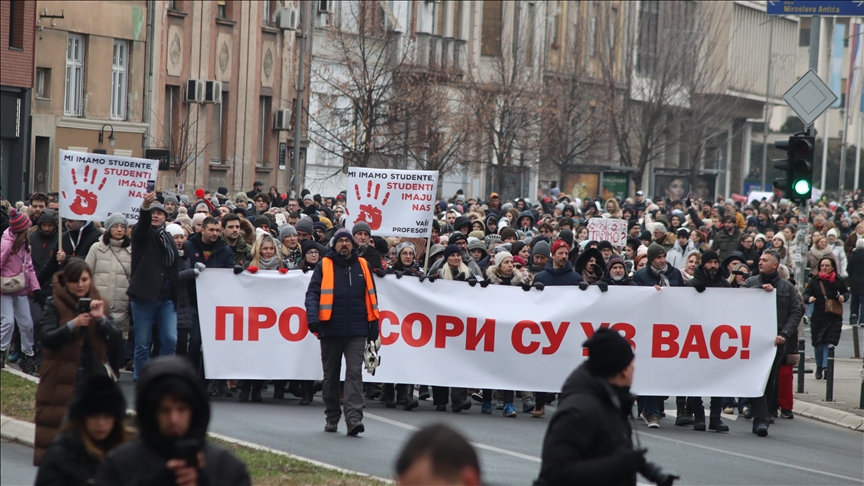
<point x="285" y="231"/>
<point x="654" y="251"/>
<point x="115" y="218"/>
<point x="361" y="226"/>
<point x="304" y="224"/>
<point x="476" y="245"/>
<point x="541" y="248"/>
<point x="170" y="198"/>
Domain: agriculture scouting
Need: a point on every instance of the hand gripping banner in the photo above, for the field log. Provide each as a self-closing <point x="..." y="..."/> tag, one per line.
<point x="716" y="343"/>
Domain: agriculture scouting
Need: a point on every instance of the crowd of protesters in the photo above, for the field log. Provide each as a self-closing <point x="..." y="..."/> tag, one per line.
<point x="107" y="296"/>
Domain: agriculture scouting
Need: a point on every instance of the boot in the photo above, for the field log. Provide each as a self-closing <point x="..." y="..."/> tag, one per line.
<point x="818" y="372"/>
<point x="256" y="391"/>
<point x="294" y="388"/>
<point x="279" y="389"/>
<point x="245" y="388"/>
<point x="717" y="425"/>
<point x="424" y="392"/>
<point x="306" y="386"/>
<point x="408" y="401"/>
<point x="684" y="415"/>
<point x="389" y="400"/>
<point x="27" y="364"/>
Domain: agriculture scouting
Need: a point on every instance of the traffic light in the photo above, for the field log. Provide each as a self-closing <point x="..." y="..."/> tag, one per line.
<point x="797" y="167"/>
<point x="801" y="166"/>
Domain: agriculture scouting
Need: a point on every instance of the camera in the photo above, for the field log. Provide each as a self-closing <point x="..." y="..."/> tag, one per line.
<point x="652" y="472"/>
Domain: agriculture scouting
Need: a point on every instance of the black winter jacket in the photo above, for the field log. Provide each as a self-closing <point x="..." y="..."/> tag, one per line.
<point x="89" y="235"/>
<point x="142" y="461"/>
<point x="349" y="317"/>
<point x="558" y="276"/>
<point x="645" y="278"/>
<point x="187" y="314"/>
<point x="789" y="311"/>
<point x="701" y="280"/>
<point x="590" y="425"/>
<point x="824" y="327"/>
<point x="67" y="463"/>
<point x="148" y="261"/>
<point x="221" y="256"/>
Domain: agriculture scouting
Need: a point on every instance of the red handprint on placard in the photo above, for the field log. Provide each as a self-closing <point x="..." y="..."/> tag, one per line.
<point x="85" y="200"/>
<point x="370" y="213"/>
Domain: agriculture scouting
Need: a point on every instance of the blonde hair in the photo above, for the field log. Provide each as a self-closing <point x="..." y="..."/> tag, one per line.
<point x="258" y="245"/>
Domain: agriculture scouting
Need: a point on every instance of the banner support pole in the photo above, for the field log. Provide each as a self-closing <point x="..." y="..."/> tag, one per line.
<point x="428" y="243"/>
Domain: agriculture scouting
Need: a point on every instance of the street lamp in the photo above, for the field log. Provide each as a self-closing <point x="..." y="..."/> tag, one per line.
<point x="111" y="138"/>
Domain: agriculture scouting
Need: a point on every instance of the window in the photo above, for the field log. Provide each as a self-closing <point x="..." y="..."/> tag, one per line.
<point x="118" y="80"/>
<point x="221" y="9"/>
<point x="532" y="26"/>
<point x="804" y="38"/>
<point x="439" y="19"/>
<point x="457" y="24"/>
<point x="592" y="37"/>
<point x="270" y="9"/>
<point x="16" y="24"/>
<point x="43" y="83"/>
<point x="168" y="122"/>
<point x="557" y="27"/>
<point x="646" y="52"/>
<point x="263" y="132"/>
<point x="74" y="75"/>
<point x="216" y="134"/>
<point x="490" y="37"/>
<point x="613" y="29"/>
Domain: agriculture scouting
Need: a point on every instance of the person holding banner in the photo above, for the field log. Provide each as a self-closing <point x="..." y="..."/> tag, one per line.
<point x="342" y="308"/>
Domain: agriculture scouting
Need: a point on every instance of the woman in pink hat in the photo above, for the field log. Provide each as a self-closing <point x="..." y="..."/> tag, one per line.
<point x="18" y="280"/>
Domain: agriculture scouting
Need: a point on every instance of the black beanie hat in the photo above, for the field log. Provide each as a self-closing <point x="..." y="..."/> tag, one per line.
<point x="97" y="394"/>
<point x="608" y="353"/>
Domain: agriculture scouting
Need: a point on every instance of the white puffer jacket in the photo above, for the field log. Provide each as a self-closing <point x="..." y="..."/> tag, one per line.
<point x="111" y="265"/>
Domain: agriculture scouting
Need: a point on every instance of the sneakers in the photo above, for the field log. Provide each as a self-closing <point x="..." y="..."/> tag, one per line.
<point x="509" y="410"/>
<point x="477" y="396"/>
<point x="486" y="408"/>
<point x="28" y="364"/>
<point x="222" y="389"/>
<point x="728" y="410"/>
<point x="331" y="427"/>
<point x="786" y="414"/>
<point x="654" y="422"/>
<point x="717" y="425"/>
<point x="356" y="428"/>
<point x="527" y="404"/>
<point x="14" y="356"/>
<point x="499" y="405"/>
<point x="538" y="413"/>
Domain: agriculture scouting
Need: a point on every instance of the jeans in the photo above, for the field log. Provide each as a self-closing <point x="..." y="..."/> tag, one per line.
<point x="149" y="314"/>
<point x="15" y="309"/>
<point x="332" y="350"/>
<point x="651" y="406"/>
<point x="730" y="402"/>
<point x="857" y="304"/>
<point x="820" y="353"/>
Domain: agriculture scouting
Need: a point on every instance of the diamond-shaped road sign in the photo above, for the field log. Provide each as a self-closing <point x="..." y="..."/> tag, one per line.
<point x="809" y="97"/>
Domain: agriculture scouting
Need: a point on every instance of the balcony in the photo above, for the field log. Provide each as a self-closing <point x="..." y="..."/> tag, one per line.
<point x="446" y="55"/>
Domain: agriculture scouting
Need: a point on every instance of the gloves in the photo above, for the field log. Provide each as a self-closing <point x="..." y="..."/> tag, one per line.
<point x="539" y="285"/>
<point x="472" y="280"/>
<point x="398" y="274"/>
<point x="629" y="459"/>
<point x="699" y="286"/>
<point x="238" y="269"/>
<point x="252" y="269"/>
<point x="422" y="277"/>
<point x="484" y="284"/>
<point x="526" y="287"/>
<point x="196" y="272"/>
<point x="432" y="278"/>
<point x="200" y="267"/>
<point x="380" y="272"/>
<point x="313" y="327"/>
<point x="283" y="270"/>
<point x="603" y="286"/>
<point x="583" y="285"/>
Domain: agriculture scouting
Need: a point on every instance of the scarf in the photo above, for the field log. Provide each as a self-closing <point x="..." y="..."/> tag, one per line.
<point x="271" y="263"/>
<point x="589" y="276"/>
<point x="168" y="244"/>
<point x="828" y="277"/>
<point x="823" y="252"/>
<point x="768" y="278"/>
<point x="661" y="274"/>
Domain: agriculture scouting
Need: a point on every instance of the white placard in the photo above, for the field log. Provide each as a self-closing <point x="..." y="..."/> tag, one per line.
<point x="393" y="202"/>
<point x="611" y="230"/>
<point x="451" y="334"/>
<point x="93" y="186"/>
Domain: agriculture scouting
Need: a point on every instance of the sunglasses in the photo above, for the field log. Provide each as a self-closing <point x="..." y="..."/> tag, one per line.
<point x="518" y="266"/>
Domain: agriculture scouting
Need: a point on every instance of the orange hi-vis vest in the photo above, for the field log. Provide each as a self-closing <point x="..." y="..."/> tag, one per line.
<point x="325" y="304"/>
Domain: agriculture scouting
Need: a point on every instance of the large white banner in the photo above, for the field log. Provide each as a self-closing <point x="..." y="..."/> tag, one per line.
<point x="93" y="186"/>
<point x="450" y="334"/>
<point x="393" y="202"/>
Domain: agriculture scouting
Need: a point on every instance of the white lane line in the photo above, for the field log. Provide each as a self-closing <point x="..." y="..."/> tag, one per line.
<point x="475" y="444"/>
<point x="759" y="459"/>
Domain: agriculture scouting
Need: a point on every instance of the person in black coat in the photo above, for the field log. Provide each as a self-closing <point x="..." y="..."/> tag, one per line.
<point x="94" y="428"/>
<point x="153" y="282"/>
<point x="855" y="269"/>
<point x="170" y="383"/>
<point x="77" y="240"/>
<point x="589" y="438"/>
<point x="616" y="273"/>
<point x="708" y="274"/>
<point x="187" y="314"/>
<point x="824" y="326"/>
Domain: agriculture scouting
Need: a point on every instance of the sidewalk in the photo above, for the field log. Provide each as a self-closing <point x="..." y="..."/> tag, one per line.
<point x="844" y="409"/>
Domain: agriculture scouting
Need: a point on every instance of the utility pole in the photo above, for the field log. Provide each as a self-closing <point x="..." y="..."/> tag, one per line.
<point x="298" y="105"/>
<point x="827" y="113"/>
<point x="767" y="114"/>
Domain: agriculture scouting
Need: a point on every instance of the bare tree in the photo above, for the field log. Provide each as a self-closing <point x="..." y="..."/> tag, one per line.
<point x="186" y="134"/>
<point x="660" y="83"/>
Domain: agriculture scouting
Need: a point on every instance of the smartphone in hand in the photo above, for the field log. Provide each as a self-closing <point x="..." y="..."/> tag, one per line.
<point x="151" y="186"/>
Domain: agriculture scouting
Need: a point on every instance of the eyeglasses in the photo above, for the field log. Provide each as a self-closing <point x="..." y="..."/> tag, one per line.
<point x="312" y="252"/>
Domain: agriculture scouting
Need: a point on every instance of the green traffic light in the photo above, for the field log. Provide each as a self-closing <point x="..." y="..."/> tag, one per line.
<point x="801" y="187"/>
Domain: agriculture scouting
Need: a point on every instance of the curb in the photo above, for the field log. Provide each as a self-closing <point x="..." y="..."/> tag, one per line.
<point x="17" y="430"/>
<point x="829" y="415"/>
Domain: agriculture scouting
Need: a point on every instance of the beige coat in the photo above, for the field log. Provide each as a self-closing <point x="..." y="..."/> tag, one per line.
<point x="112" y="265"/>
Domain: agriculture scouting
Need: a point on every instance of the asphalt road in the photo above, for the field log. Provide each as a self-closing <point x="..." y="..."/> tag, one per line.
<point x="796" y="452"/>
<point x="16" y="464"/>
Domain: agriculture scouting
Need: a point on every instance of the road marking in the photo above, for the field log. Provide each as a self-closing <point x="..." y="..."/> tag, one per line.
<point x="475" y="444"/>
<point x="745" y="456"/>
